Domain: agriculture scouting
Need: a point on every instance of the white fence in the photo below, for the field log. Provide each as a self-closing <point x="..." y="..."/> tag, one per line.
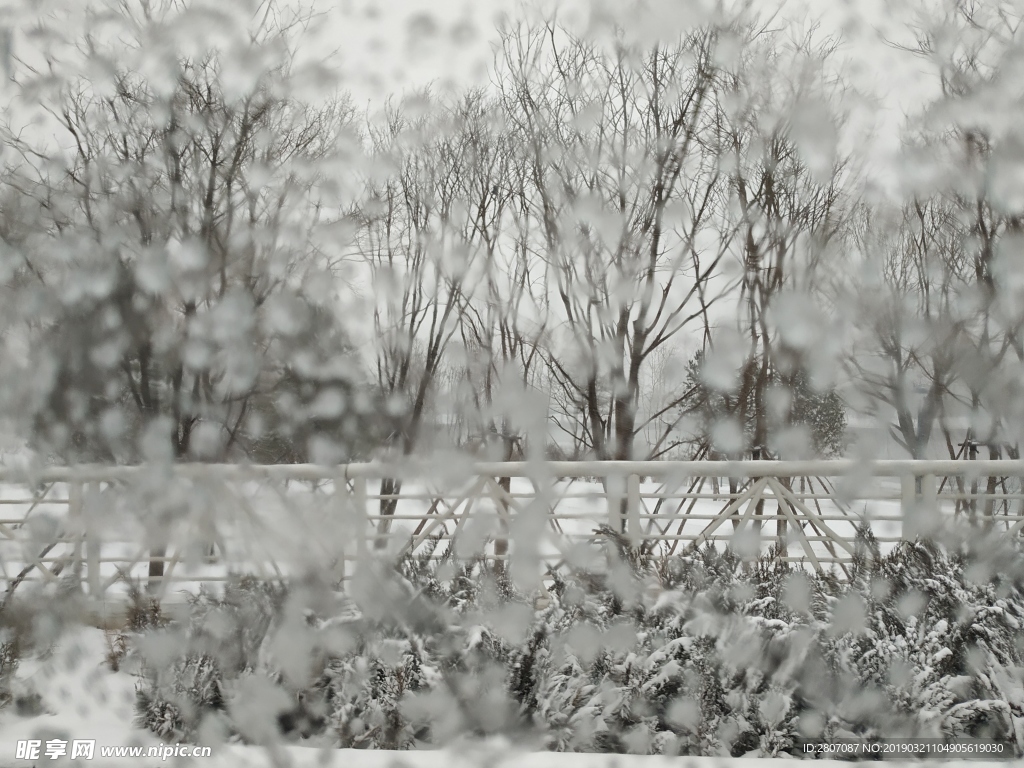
<point x="175" y="528"/>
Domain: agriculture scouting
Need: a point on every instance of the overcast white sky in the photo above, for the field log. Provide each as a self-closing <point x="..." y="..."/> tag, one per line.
<point x="386" y="46"/>
<point x="390" y="42"/>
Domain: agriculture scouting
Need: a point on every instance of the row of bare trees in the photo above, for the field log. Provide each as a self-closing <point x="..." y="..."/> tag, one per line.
<point x="607" y="211"/>
<point x="211" y="262"/>
<point x="939" y="354"/>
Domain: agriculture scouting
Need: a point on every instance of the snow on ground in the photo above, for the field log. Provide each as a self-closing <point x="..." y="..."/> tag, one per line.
<point x="81" y="696"/>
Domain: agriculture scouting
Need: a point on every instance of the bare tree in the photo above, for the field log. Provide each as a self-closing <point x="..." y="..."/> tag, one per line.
<point x="502" y="329"/>
<point x="429" y="238"/>
<point x="907" y="359"/>
<point x="174" y="264"/>
<point x="952" y="259"/>
<point x="624" y="193"/>
<point x="788" y="203"/>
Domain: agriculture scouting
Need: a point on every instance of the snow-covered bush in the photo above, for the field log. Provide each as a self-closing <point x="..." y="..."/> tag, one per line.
<point x="935" y="648"/>
<point x="9" y="658"/>
<point x="27" y="630"/>
<point x="184" y="669"/>
<point x="722" y="658"/>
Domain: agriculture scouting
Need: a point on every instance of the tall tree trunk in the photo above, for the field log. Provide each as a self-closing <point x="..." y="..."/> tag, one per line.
<point x="158" y="551"/>
<point x="505" y="484"/>
<point x="389" y="486"/>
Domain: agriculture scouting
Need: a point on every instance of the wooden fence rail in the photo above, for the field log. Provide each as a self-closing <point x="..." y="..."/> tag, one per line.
<point x="176" y="528"/>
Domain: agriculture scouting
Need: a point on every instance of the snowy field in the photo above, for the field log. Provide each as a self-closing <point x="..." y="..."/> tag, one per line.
<point x="273" y="529"/>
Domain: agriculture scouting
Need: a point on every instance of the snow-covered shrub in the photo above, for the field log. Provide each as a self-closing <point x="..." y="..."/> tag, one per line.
<point x="424" y="664"/>
<point x="936" y="650"/>
<point x="185" y="670"/>
<point x="18" y="642"/>
<point x="143" y="614"/>
<point x="369" y="692"/>
<point x="9" y="658"/>
<point x="175" y="700"/>
<point x="726" y="657"/>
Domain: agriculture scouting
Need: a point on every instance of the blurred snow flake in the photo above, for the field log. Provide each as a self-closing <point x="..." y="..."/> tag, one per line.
<point x="816" y="137"/>
<point x="655" y="232"/>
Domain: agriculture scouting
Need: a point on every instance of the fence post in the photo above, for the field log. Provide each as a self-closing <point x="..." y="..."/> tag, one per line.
<point x="781" y="522"/>
<point x="361" y="518"/>
<point x="908" y="505"/>
<point x="501" y="540"/>
<point x="633" y="528"/>
<point x="92" y="545"/>
<point x="341" y="501"/>
<point x="919" y="505"/>
<point x="78" y="527"/>
<point x="929" y="506"/>
<point x="929" y="489"/>
<point x="614" y="492"/>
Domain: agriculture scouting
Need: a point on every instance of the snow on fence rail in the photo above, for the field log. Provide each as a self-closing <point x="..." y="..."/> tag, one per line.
<point x="179" y="527"/>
